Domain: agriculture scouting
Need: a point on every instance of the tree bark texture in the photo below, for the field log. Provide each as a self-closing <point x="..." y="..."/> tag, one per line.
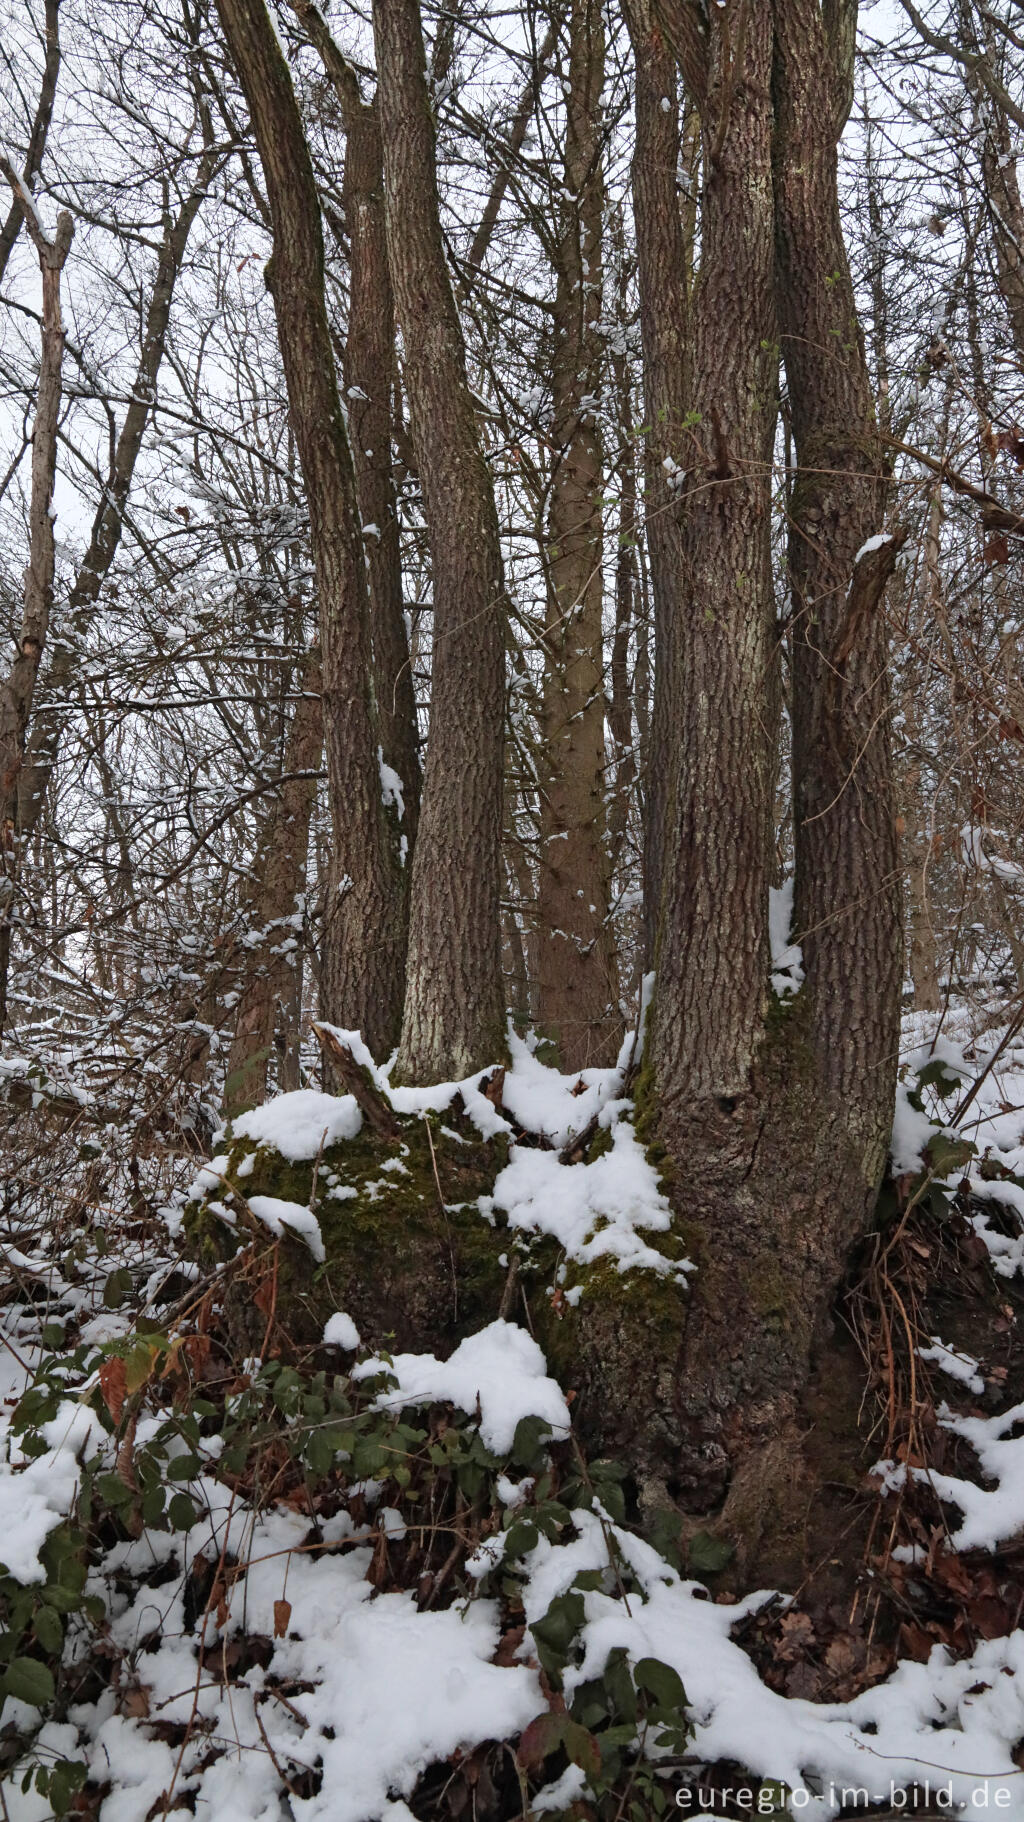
<point x="577" y="979"/>
<point x="268" y="997"/>
<point x="775" y="1116"/>
<point x="453" y="1020"/>
<point x="361" y="967"/>
<point x="719" y="749"/>
<point x="847" y="904"/>
<point x="369" y="367"/>
<point x="663" y="261"/>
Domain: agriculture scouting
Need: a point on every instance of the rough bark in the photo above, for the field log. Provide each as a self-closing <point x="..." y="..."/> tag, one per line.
<point x="577" y="980"/>
<point x="663" y="261"/>
<point x="19" y="685"/>
<point x="847" y="905"/>
<point x="361" y="969"/>
<point x="369" y="365"/>
<point x="454" y="1005"/>
<point x="712" y="953"/>
<point x="776" y="1120"/>
<point x="267" y="995"/>
<point x="620" y="700"/>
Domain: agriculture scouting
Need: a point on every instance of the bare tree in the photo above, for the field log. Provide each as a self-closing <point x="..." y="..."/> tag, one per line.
<point x="18" y="689"/>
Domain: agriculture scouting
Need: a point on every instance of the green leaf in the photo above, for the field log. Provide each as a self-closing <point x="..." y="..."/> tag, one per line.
<point x="118" y="1288"/>
<point x="559" y="1625"/>
<point x="319" y="1454"/>
<point x="184" y="1467"/>
<point x="528" y="1442"/>
<point x="520" y="1539"/>
<point x="29" y="1681"/>
<point x="66" y="1780"/>
<point x="708" y="1555"/>
<point x="112" y="1490"/>
<point x="939" y="1076"/>
<point x="660" y="1681"/>
<point x="49" y="1629"/>
<point x="582" y="1748"/>
<point x="181" y="1512"/>
<point x="153" y="1505"/>
<point x="947" y="1153"/>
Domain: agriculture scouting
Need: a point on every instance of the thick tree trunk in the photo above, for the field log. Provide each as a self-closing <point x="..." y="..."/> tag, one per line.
<point x="776" y="1118"/>
<point x="454" y="1005"/>
<point x="267" y="996"/>
<point x="369" y="364"/>
<point x="718" y="748"/>
<point x="708" y="1031"/>
<point x="847" y="906"/>
<point x="18" y="688"/>
<point x="620" y="700"/>
<point x="577" y="981"/>
<point x="663" y="261"/>
<point x="361" y="971"/>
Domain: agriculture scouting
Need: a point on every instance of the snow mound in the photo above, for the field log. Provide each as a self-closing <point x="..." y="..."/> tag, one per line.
<point x="500" y="1371"/>
<point x="298" y="1124"/>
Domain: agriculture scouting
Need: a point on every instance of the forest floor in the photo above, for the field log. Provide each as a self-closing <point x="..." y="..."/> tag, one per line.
<point x="371" y="1589"/>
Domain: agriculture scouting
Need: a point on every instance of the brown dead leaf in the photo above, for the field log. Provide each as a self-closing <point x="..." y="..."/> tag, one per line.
<point x="282" y="1618"/>
<point x="112" y="1385"/>
<point x="508" y="1645"/>
<point x="796" y="1634"/>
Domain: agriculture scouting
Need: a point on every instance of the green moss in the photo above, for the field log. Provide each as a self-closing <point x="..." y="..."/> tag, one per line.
<point x="409" y="1253"/>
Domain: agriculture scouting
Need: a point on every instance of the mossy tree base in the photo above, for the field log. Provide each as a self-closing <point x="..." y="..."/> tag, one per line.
<point x="419" y="1263"/>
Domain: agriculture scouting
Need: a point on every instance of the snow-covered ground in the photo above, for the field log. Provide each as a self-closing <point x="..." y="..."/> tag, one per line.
<point x="358" y="1692"/>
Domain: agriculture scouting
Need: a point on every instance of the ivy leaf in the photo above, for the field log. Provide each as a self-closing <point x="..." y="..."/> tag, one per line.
<point x="118" y="1288"/>
<point x="29" y="1681"/>
<point x="660" y="1681"/>
<point x="708" y="1555"/>
<point x="49" y="1629"/>
<point x="550" y="1731"/>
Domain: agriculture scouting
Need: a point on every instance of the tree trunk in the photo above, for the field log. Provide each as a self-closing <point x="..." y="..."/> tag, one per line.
<point x="777" y="1122"/>
<point x="663" y="260"/>
<point x="577" y="978"/>
<point x="847" y="905"/>
<point x="361" y="971"/>
<point x="369" y="387"/>
<point x="37" y="600"/>
<point x="454" y="1005"/>
<point x="267" y="996"/>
